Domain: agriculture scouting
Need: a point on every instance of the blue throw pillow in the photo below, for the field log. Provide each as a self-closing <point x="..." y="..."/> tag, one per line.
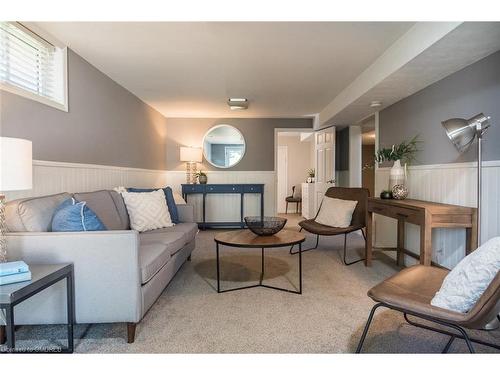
<point x="169" y="197"/>
<point x="73" y="216"/>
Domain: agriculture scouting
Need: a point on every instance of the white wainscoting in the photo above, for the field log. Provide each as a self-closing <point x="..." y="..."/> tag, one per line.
<point x="55" y="177"/>
<point x="226" y="207"/>
<point x="446" y="183"/>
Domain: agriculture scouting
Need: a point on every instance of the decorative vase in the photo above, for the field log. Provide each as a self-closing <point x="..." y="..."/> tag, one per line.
<point x="397" y="175"/>
<point x="203" y="179"/>
<point x="399" y="192"/>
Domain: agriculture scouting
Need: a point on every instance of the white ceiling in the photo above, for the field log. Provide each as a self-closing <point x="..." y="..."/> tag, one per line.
<point x="285" y="69"/>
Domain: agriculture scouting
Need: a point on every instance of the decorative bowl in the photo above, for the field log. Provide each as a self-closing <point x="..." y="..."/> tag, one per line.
<point x="265" y="225"/>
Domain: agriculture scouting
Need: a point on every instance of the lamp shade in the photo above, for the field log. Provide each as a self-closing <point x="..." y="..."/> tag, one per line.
<point x="191" y="154"/>
<point x="15" y="164"/>
<point x="462" y="132"/>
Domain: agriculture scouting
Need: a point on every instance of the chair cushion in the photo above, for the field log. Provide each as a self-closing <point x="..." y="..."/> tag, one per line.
<point x="73" y="216"/>
<point x="152" y="257"/>
<point x="336" y="212"/>
<point x="466" y="283"/>
<point x="324" y="230"/>
<point x="108" y="205"/>
<point x="412" y="289"/>
<point x="173" y="241"/>
<point x="147" y="211"/>
<point x="33" y="214"/>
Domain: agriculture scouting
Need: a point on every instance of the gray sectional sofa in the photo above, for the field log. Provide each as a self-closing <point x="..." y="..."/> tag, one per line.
<point x="119" y="273"/>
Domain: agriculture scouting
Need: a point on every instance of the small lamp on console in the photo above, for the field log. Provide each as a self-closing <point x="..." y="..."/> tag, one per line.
<point x="191" y="155"/>
<point x="15" y="174"/>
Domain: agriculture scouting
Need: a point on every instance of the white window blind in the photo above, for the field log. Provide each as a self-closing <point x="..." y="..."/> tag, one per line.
<point x="30" y="64"/>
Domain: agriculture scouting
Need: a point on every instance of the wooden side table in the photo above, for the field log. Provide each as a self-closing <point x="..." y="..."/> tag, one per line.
<point x="427" y="215"/>
<point x="42" y="277"/>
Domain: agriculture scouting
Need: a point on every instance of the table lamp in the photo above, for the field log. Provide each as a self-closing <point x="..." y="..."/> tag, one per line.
<point x="191" y="155"/>
<point x="15" y="174"/>
<point x="462" y="133"/>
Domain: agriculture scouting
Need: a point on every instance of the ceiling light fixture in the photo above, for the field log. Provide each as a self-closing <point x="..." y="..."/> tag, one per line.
<point x="376" y="104"/>
<point x="237" y="103"/>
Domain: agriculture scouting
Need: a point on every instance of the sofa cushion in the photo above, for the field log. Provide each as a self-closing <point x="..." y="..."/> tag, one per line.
<point x="189" y="230"/>
<point x="33" y="214"/>
<point x="152" y="257"/>
<point x="174" y="241"/>
<point x="108" y="206"/>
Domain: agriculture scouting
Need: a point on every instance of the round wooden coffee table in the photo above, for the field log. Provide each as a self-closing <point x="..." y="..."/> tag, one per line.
<point x="246" y="239"/>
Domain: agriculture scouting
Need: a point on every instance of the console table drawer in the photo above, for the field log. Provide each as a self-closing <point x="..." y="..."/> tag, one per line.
<point x="407" y="214"/>
<point x="229" y="188"/>
<point x="193" y="188"/>
<point x="253" y="189"/>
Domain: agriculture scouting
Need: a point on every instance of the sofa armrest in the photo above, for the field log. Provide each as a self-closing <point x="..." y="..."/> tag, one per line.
<point x="107" y="275"/>
<point x="186" y="213"/>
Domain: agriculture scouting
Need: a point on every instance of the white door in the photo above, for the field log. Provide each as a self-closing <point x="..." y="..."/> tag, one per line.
<point x="324" y="145"/>
<point x="282" y="162"/>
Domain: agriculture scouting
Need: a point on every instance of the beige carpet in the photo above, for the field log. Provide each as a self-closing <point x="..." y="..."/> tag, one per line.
<point x="190" y="317"/>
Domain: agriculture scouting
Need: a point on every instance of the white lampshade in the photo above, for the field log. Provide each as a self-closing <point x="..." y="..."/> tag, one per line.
<point x="15" y="164"/>
<point x="191" y="154"/>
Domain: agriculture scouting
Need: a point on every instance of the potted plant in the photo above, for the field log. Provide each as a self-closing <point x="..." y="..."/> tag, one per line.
<point x="404" y="152"/>
<point x="311" y="173"/>
<point x="202" y="177"/>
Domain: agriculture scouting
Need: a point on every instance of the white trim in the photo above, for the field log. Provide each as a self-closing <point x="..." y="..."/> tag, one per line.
<point x="224" y="172"/>
<point x="63" y="164"/>
<point x="485" y="164"/>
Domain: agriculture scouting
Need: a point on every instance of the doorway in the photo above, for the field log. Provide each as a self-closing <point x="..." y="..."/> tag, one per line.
<point x="368" y="135"/>
<point x="294" y="158"/>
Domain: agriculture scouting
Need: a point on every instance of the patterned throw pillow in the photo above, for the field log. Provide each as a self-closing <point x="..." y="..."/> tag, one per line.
<point x="147" y="211"/>
<point x="336" y="212"/>
<point x="169" y="197"/>
<point x="73" y="216"/>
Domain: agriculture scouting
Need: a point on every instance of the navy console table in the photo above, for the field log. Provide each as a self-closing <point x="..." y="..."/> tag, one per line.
<point x="240" y="189"/>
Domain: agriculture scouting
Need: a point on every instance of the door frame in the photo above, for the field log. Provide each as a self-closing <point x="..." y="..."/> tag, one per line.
<point x="276" y="131"/>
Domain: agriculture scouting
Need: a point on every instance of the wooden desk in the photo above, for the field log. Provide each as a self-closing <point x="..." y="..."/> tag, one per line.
<point x="427" y="215"/>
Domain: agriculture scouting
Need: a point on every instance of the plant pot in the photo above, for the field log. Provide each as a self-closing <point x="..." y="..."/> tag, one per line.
<point x="203" y="179"/>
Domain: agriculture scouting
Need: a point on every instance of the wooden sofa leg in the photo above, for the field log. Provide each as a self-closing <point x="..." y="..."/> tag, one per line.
<point x="131" y="332"/>
<point x="3" y="338"/>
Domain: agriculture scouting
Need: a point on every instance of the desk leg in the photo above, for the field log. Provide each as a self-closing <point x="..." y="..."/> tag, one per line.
<point x="401" y="242"/>
<point x="471" y="236"/>
<point x="369" y="238"/>
<point x="426" y="241"/>
<point x="262" y="205"/>
<point x="9" y="329"/>
<point x="242" y="209"/>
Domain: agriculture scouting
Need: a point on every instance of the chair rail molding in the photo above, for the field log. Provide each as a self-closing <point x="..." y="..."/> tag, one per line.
<point x="453" y="183"/>
<point x="50" y="177"/>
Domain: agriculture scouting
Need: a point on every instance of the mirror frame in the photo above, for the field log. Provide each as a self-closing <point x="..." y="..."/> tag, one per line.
<point x="244" y="145"/>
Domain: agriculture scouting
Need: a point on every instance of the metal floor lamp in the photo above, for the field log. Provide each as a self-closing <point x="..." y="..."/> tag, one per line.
<point x="462" y="133"/>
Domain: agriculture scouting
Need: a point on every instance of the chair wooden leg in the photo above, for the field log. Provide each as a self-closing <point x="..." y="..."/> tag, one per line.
<point x="131" y="332"/>
<point x="3" y="338"/>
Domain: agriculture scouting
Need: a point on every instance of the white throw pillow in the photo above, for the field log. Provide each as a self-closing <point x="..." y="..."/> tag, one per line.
<point x="147" y="211"/>
<point x="336" y="212"/>
<point x="465" y="284"/>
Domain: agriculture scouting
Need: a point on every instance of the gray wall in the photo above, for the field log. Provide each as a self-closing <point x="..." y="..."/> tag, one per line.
<point x="106" y="124"/>
<point x="258" y="133"/>
<point x="463" y="94"/>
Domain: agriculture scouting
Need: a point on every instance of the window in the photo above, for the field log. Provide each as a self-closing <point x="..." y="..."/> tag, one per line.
<point x="31" y="66"/>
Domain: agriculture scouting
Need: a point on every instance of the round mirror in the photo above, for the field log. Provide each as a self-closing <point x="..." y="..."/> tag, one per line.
<point x="223" y="146"/>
